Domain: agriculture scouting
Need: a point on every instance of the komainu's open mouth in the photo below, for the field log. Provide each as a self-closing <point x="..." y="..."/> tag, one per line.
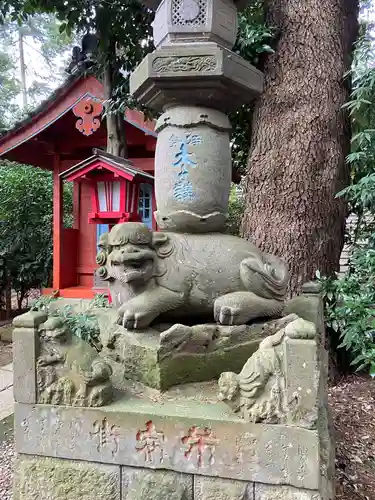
<point x="140" y="271"/>
<point x="135" y="265"/>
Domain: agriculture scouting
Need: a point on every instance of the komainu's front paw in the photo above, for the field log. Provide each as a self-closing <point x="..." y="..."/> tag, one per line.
<point x="133" y="320"/>
<point x="226" y="315"/>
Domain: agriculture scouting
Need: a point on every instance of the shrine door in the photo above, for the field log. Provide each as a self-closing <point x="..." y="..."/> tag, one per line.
<point x="145" y="204"/>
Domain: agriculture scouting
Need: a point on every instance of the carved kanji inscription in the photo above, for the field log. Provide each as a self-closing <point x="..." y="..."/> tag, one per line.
<point x="150" y="443"/>
<point x="106" y="435"/>
<point x="200" y="443"/>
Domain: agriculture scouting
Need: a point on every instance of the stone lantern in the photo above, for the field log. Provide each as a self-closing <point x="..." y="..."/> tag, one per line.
<point x="185" y="21"/>
<point x="194" y="79"/>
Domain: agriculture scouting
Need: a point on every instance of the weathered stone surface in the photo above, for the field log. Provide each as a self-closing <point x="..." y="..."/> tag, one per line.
<point x="173" y="431"/>
<point x="279" y="383"/>
<point x="31" y="319"/>
<point x="192" y="190"/>
<point x="266" y="492"/>
<point x="40" y="478"/>
<point x="143" y="484"/>
<point x="326" y="431"/>
<point x="312" y="288"/>
<point x="25" y="353"/>
<point x="69" y="370"/>
<point x="302" y="374"/>
<point x="215" y="488"/>
<point x="202" y="74"/>
<point x="309" y="306"/>
<point x="164" y="356"/>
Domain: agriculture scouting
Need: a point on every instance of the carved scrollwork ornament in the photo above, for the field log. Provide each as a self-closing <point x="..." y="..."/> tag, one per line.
<point x="103" y="273"/>
<point x="101" y="258"/>
<point x="88" y="111"/>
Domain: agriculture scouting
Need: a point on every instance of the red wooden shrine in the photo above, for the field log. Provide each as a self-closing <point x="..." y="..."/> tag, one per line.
<point x="68" y="136"/>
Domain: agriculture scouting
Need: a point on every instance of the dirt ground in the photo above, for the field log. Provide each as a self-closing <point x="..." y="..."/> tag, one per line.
<point x="352" y="403"/>
<point x="6" y="355"/>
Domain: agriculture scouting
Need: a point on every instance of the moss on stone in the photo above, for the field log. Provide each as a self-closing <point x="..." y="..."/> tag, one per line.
<point x="39" y="478"/>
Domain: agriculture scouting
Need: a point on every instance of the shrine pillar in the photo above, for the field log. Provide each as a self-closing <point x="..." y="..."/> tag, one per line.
<point x="58" y="211"/>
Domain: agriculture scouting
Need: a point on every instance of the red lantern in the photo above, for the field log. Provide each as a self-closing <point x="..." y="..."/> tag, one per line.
<point x="114" y="185"/>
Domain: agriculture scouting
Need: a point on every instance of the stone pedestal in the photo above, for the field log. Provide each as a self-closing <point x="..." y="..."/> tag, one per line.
<point x="194" y="84"/>
<point x="40" y="479"/>
<point x="183" y="443"/>
<point x="243" y="413"/>
<point x="183" y="434"/>
<point x="171" y="355"/>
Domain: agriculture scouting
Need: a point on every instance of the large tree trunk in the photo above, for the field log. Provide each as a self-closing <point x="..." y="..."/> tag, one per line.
<point x="301" y="136"/>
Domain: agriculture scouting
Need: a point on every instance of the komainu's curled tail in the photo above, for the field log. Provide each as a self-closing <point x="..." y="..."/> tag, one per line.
<point x="267" y="276"/>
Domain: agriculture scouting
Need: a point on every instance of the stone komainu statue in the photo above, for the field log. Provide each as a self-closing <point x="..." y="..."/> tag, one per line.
<point x="200" y="276"/>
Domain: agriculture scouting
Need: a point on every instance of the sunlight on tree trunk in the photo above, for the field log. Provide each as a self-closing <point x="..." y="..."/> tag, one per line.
<point x="300" y="138"/>
<point x="22" y="69"/>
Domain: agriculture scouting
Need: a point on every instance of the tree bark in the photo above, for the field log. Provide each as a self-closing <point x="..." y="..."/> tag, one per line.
<point x="300" y="138"/>
<point x="116" y="140"/>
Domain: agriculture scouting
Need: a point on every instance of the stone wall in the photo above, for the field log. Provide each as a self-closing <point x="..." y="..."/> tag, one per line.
<point x="40" y="478"/>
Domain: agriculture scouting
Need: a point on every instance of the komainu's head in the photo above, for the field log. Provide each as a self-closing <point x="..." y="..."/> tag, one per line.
<point x="54" y="330"/>
<point x="228" y="387"/>
<point x="133" y="252"/>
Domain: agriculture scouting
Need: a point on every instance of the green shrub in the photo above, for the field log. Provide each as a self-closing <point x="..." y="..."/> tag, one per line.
<point x="350" y="299"/>
<point x="83" y="325"/>
<point x="26" y="195"/>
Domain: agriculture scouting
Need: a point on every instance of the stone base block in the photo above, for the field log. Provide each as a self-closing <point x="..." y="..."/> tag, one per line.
<point x="205" y="75"/>
<point x="144" y="484"/>
<point x="168" y="356"/>
<point x="38" y="478"/>
<point x="266" y="492"/>
<point x="213" y="488"/>
<point x="42" y="478"/>
<point x="183" y="430"/>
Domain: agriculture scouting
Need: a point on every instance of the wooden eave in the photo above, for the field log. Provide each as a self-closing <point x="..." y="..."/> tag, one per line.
<point x="119" y="166"/>
<point x="54" y="108"/>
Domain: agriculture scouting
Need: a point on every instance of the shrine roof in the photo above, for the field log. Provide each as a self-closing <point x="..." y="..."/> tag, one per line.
<point x="51" y="126"/>
<point x="44" y="105"/>
<point x="121" y="166"/>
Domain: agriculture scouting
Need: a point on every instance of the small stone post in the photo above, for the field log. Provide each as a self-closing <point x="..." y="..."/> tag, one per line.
<point x="194" y="79"/>
<point x="25" y="354"/>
